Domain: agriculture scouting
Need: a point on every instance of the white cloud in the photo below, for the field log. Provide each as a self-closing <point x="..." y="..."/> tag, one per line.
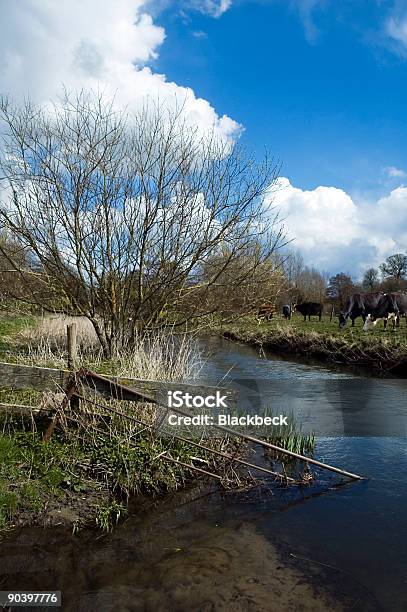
<point x="335" y="233"/>
<point x="92" y="44"/>
<point x="200" y="34"/>
<point x="393" y="172"/>
<point x="215" y="8"/>
<point x="306" y="9"/>
<point x="396" y="30"/>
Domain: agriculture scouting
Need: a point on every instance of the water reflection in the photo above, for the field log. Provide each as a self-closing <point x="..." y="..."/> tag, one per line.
<point x="328" y="403"/>
<point x="215" y="553"/>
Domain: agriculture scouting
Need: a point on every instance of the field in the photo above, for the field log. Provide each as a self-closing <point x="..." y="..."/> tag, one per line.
<point x="379" y="350"/>
<point x="348" y="333"/>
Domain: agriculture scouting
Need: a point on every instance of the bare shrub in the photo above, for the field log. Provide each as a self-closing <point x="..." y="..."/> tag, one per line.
<point x="114" y="215"/>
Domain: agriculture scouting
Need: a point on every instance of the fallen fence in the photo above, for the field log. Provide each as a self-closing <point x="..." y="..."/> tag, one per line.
<point x="135" y="390"/>
<point x="70" y="382"/>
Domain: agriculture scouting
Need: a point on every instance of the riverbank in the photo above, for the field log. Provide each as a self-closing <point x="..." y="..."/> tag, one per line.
<point x="87" y="471"/>
<point x="379" y="351"/>
<point x="78" y="480"/>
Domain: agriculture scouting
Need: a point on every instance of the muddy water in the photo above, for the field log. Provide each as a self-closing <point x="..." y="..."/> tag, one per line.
<point x="320" y="548"/>
<point x="194" y="551"/>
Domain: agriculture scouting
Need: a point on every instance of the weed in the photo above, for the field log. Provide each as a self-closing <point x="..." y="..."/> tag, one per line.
<point x="109" y="514"/>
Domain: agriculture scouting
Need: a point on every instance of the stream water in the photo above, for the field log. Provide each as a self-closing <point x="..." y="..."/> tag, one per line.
<point x="205" y="550"/>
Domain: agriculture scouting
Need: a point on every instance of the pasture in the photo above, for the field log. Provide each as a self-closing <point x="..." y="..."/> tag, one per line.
<point x="349" y="333"/>
<point x="379" y="350"/>
<point x="328" y="328"/>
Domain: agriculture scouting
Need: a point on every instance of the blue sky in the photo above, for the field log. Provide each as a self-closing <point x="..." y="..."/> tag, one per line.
<point x="326" y="91"/>
<point x="319" y="83"/>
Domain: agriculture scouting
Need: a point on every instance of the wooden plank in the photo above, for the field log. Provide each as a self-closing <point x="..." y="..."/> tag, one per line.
<point x="152" y="387"/>
<point x="32" y="377"/>
<point x="26" y="410"/>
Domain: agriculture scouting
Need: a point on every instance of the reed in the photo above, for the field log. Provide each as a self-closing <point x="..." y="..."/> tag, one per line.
<point x="292" y="438"/>
<point x="160" y="356"/>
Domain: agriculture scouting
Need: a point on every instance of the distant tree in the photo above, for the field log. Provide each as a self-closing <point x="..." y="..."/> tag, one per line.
<point x="395" y="265"/>
<point x="228" y="297"/>
<point x="310" y="285"/>
<point x="370" y="279"/>
<point x="340" y="287"/>
<point x="293" y="265"/>
<point x="392" y="283"/>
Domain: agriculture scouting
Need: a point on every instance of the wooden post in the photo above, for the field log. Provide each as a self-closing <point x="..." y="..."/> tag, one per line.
<point x="72" y="350"/>
<point x="332" y="314"/>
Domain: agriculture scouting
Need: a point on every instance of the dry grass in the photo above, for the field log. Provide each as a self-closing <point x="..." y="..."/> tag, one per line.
<point x="50" y="331"/>
<point x="158" y="357"/>
<point x="162" y="357"/>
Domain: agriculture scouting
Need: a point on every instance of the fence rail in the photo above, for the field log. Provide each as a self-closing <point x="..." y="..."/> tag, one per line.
<point x="129" y="389"/>
<point x="50" y="379"/>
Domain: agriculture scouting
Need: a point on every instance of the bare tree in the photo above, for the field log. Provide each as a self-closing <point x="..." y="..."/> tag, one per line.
<point x="260" y="282"/>
<point x="118" y="213"/>
<point x="310" y="285"/>
<point x="9" y="280"/>
<point x="303" y="283"/>
<point x="371" y="279"/>
<point x="395" y="266"/>
<point x="340" y="287"/>
<point x="293" y="265"/>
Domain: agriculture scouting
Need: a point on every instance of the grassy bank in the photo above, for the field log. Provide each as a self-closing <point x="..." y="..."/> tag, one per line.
<point x="379" y="350"/>
<point x="85" y="474"/>
<point x="80" y="479"/>
<point x="90" y="467"/>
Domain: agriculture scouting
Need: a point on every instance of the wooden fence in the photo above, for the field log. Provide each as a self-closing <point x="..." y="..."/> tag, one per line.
<point x="70" y="382"/>
<point x="48" y="379"/>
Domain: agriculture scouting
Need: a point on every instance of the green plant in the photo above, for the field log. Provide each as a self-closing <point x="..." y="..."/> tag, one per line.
<point x="291" y="437"/>
<point x="109" y="514"/>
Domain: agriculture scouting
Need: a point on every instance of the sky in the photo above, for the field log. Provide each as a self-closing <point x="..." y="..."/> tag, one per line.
<point x="321" y="84"/>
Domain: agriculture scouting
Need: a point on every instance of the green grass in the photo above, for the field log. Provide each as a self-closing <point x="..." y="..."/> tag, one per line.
<point x="291" y="438"/>
<point x="352" y="334"/>
<point x="10" y="326"/>
<point x="34" y="474"/>
<point x="109" y="514"/>
<point x="379" y="350"/>
<point x="31" y="473"/>
<point x="329" y="328"/>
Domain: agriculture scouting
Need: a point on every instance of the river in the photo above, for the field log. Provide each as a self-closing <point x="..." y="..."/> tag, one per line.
<point x="318" y="548"/>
